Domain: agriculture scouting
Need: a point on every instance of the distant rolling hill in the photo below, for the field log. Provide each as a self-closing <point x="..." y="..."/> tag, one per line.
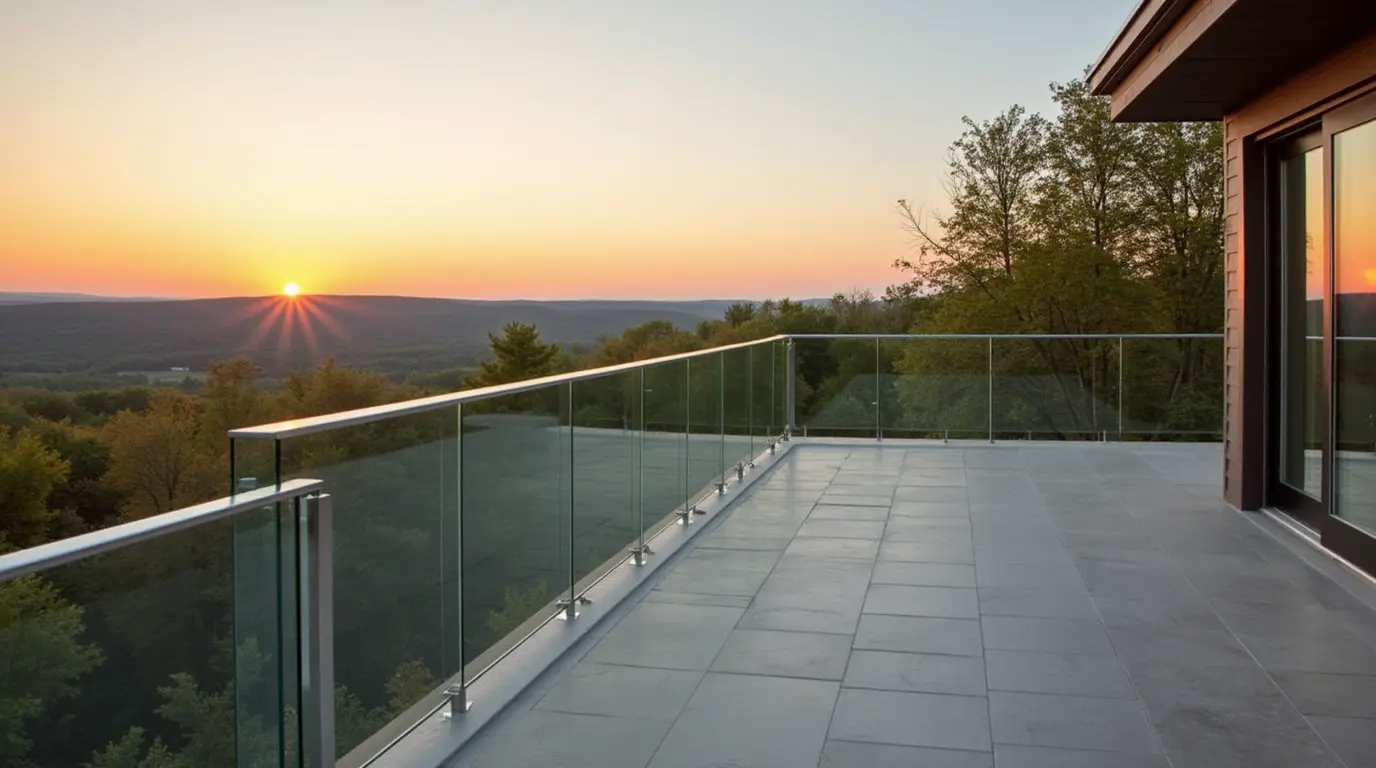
<point x="388" y="333"/>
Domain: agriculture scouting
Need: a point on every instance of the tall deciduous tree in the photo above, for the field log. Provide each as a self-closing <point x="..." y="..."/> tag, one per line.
<point x="156" y="457"/>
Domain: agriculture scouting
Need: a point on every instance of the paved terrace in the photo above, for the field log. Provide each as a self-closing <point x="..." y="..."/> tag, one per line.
<point x="1041" y="605"/>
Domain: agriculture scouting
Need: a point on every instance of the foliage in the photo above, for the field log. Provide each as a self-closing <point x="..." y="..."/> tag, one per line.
<point x="157" y="459"/>
<point x="518" y="354"/>
<point x="43" y="658"/>
<point x="28" y="474"/>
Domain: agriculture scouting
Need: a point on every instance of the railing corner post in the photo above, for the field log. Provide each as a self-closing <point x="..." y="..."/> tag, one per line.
<point x="316" y="615"/>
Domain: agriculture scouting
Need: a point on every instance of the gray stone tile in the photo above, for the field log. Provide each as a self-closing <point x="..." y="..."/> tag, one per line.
<point x="924" y="574"/>
<point x="937" y="602"/>
<point x="1203" y="737"/>
<point x="543" y="739"/>
<point x="1012" y="756"/>
<point x="1070" y="674"/>
<point x="854" y="501"/>
<point x="759" y="543"/>
<point x="691" y="598"/>
<point x="844" y="549"/>
<point x="926" y="552"/>
<point x="841" y="620"/>
<point x="916" y="672"/>
<point x="839" y="488"/>
<point x="784" y="654"/>
<point x="839" y="512"/>
<point x="1145" y="647"/>
<point x="667" y="635"/>
<point x="1186" y="611"/>
<point x="1051" y="577"/>
<point x="1021" y="633"/>
<point x="613" y="690"/>
<point x="1330" y="695"/>
<point x="1068" y="603"/>
<point x="912" y="719"/>
<point x="937" y="530"/>
<point x="1074" y="722"/>
<point x="843" y="529"/>
<point x="1353" y="740"/>
<point x="858" y="754"/>
<point x="929" y="493"/>
<point x="910" y="634"/>
<point x="930" y="509"/>
<point x="1343" y="653"/>
<point x="763" y="722"/>
<point x="720" y="572"/>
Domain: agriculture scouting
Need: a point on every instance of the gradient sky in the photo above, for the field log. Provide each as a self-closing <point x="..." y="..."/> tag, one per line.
<point x="629" y="149"/>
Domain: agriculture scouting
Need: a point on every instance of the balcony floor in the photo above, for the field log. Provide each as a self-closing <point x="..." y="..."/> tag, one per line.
<point x="1025" y="605"/>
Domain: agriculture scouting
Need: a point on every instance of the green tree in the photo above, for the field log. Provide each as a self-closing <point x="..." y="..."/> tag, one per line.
<point x="520" y="355"/>
<point x="43" y="658"/>
<point x="158" y="459"/>
<point x="28" y="474"/>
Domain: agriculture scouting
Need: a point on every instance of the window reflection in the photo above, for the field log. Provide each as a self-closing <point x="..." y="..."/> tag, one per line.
<point x="1354" y="254"/>
<point x="1301" y="203"/>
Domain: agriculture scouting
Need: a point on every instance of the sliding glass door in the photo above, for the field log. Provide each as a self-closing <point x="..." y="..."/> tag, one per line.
<point x="1353" y="140"/>
<point x="1299" y="369"/>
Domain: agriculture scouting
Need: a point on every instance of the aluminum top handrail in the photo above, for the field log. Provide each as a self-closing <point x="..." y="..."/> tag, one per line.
<point x="63" y="551"/>
<point x="359" y="416"/>
<point x="1006" y="336"/>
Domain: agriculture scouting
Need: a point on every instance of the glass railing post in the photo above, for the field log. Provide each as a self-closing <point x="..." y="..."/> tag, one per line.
<point x="750" y="400"/>
<point x="458" y="692"/>
<point x="878" y="429"/>
<point x="791" y="390"/>
<point x="1122" y="396"/>
<point x="639" y="494"/>
<point x="316" y="606"/>
<point x="686" y="516"/>
<point x="721" y="418"/>
<point x="991" y="389"/>
<point x="570" y="602"/>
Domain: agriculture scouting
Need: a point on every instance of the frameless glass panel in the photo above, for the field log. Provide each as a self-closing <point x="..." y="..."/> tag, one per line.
<point x="704" y="465"/>
<point x="516" y="486"/>
<point x="762" y="379"/>
<point x="935" y="388"/>
<point x="1057" y="389"/>
<point x="1301" y="321"/>
<point x="664" y="455"/>
<point x="1172" y="389"/>
<point x="737" y="401"/>
<point x="394" y="484"/>
<point x="166" y="652"/>
<point x="1354" y="255"/>
<point x="606" y="473"/>
<point x="836" y="387"/>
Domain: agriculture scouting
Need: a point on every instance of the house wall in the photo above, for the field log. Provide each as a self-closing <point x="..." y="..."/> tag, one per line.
<point x="1343" y="76"/>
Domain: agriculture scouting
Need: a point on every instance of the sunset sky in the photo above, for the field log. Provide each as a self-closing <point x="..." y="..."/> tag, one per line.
<point x="629" y="149"/>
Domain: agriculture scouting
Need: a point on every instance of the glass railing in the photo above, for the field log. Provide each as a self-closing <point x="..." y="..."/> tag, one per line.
<point x="253" y="631"/>
<point x="466" y="522"/>
<point x="998" y="387"/>
<point x="172" y="640"/>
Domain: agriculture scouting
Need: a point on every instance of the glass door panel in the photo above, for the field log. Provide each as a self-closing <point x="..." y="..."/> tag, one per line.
<point x="1354" y="259"/>
<point x="1301" y="322"/>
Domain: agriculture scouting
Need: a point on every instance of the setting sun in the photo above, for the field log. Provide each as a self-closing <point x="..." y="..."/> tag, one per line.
<point x="292" y="290"/>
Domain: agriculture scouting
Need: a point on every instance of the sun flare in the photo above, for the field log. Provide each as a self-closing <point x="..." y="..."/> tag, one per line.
<point x="291" y="290"/>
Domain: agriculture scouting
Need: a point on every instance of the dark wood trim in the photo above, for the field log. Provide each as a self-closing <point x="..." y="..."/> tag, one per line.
<point x="1350" y="542"/>
<point x="1249" y="432"/>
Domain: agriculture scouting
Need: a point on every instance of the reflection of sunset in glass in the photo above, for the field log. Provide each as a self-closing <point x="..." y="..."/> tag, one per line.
<point x="1354" y="226"/>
